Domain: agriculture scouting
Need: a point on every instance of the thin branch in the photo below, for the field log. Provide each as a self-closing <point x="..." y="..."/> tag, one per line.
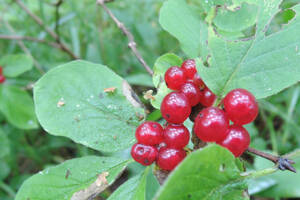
<point x="49" y="31"/>
<point x="17" y="37"/>
<point x="131" y="43"/>
<point x="57" y="18"/>
<point x="283" y="163"/>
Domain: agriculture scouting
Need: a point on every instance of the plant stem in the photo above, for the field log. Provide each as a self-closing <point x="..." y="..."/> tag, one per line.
<point x="281" y="162"/>
<point x="7" y="189"/>
<point x="128" y="34"/>
<point x="259" y="173"/>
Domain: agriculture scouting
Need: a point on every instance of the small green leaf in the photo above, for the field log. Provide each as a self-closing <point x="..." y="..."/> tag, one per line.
<point x="4" y="144"/>
<point x="15" y="65"/>
<point x="17" y="106"/>
<point x="161" y="65"/>
<point x="211" y="173"/>
<point x="89" y="104"/>
<point x="80" y="177"/>
<point x="136" y="187"/>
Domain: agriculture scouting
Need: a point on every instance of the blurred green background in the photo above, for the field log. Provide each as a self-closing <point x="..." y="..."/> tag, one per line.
<point x="89" y="32"/>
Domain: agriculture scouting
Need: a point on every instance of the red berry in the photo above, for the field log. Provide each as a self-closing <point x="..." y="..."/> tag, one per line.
<point x="241" y="106"/>
<point x="207" y="97"/>
<point x="149" y="133"/>
<point x="175" y="108"/>
<point x="211" y="125"/>
<point x="237" y="140"/>
<point x="189" y="68"/>
<point x="192" y="92"/>
<point x="169" y="158"/>
<point x="2" y="79"/>
<point x="198" y="81"/>
<point x="175" y="77"/>
<point x="144" y="154"/>
<point x="176" y="136"/>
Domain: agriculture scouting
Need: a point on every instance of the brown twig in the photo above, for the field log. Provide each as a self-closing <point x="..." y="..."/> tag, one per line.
<point x="57" y="17"/>
<point x="283" y="163"/>
<point x="131" y="43"/>
<point x="63" y="47"/>
<point x="17" y="37"/>
<point x="24" y="48"/>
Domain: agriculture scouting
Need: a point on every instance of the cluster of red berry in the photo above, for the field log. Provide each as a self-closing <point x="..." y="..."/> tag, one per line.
<point x="2" y="77"/>
<point x="165" y="146"/>
<point x="212" y="124"/>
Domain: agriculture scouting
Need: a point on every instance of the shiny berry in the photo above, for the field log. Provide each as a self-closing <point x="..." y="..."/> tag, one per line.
<point x="192" y="92"/>
<point x="2" y="79"/>
<point x="176" y="136"/>
<point x="241" y="106"/>
<point x="189" y="68"/>
<point x="144" y="154"/>
<point x="237" y="140"/>
<point x="207" y="97"/>
<point x="149" y="133"/>
<point x="198" y="81"/>
<point x="175" y="77"/>
<point x="211" y="125"/>
<point x="175" y="108"/>
<point x="169" y="158"/>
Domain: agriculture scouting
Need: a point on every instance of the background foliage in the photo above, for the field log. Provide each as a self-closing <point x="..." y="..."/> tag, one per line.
<point x="25" y="148"/>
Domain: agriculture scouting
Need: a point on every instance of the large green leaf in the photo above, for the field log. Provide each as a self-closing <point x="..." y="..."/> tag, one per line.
<point x="75" y="179"/>
<point x="136" y="188"/>
<point x="263" y="64"/>
<point x="161" y="65"/>
<point x="287" y="183"/>
<point x="4" y="144"/>
<point x="237" y="19"/>
<point x="15" y="65"/>
<point x="17" y="106"/>
<point x="211" y="173"/>
<point x="71" y="101"/>
<point x="182" y="22"/>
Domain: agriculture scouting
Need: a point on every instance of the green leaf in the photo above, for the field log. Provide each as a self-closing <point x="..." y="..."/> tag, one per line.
<point x="287" y="183"/>
<point x="182" y="22"/>
<point x="80" y="177"/>
<point x="262" y="64"/>
<point x="260" y="184"/>
<point x="210" y="173"/>
<point x="136" y="187"/>
<point x="4" y="144"/>
<point x="161" y="65"/>
<point x="70" y="101"/>
<point x="15" y="65"/>
<point x="236" y="20"/>
<point x="17" y="106"/>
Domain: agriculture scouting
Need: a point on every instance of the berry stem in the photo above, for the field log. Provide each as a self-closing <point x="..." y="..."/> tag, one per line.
<point x="281" y="162"/>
